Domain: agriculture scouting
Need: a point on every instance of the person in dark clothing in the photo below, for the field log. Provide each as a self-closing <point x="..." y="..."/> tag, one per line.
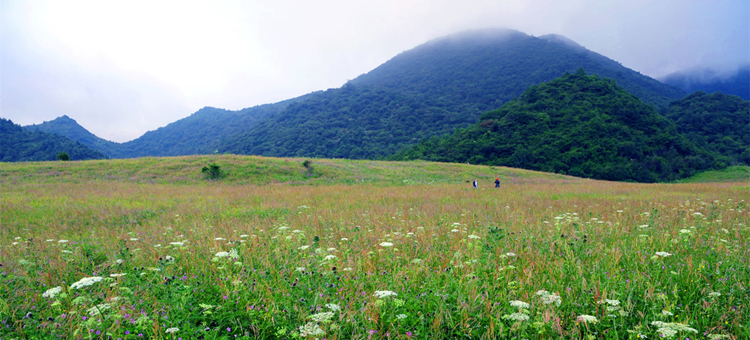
<point x="476" y="185"/>
<point x="497" y="182"/>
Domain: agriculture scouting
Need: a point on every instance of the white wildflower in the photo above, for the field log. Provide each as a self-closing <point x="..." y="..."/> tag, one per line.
<point x="454" y="230"/>
<point x="401" y="316"/>
<point x="244" y="236"/>
<point x="386" y="244"/>
<point x="549" y="298"/>
<point x="662" y="254"/>
<point x="67" y="251"/>
<point x="714" y="294"/>
<point x="219" y="239"/>
<point x="519" y="304"/>
<point x="172" y="330"/>
<point x="384" y="293"/>
<point x="85" y="282"/>
<point x="666" y="312"/>
<point x="334" y="307"/>
<point x="331" y="249"/>
<point x="62" y="241"/>
<point x="587" y="318"/>
<point x="303" y="247"/>
<point x="119" y="261"/>
<point x="222" y="254"/>
<point x="234" y="254"/>
<point x="510" y="254"/>
<point x="133" y="239"/>
<point x="300" y="269"/>
<point x="311" y="328"/>
<point x="517" y="317"/>
<point x="344" y="239"/>
<point x="52" y="292"/>
<point x="474" y="237"/>
<point x="50" y="240"/>
<point x="98" y="309"/>
<point x="117" y="275"/>
<point x="329" y="257"/>
<point x="322" y="317"/>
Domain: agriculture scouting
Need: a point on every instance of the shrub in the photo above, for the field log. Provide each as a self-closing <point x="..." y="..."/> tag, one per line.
<point x="63" y="156"/>
<point x="213" y="171"/>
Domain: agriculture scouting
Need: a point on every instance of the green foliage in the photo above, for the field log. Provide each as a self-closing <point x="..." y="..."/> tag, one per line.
<point x="717" y="122"/>
<point x="578" y="125"/>
<point x="213" y="171"/>
<point x="19" y="145"/>
<point x="63" y="156"/>
<point x="428" y="91"/>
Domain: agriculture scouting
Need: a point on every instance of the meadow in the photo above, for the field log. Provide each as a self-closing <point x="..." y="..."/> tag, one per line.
<point x="150" y="249"/>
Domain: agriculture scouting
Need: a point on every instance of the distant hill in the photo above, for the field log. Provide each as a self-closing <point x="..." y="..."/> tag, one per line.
<point x="67" y="127"/>
<point x="20" y="145"/>
<point x="709" y="81"/>
<point x="430" y="90"/>
<point x="199" y="133"/>
<point x="579" y="125"/>
<point x="717" y="122"/>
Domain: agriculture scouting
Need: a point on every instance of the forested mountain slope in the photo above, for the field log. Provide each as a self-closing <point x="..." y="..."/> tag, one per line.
<point x="429" y="90"/>
<point x="579" y="125"/>
<point x="20" y="145"/>
<point x="716" y="122"/>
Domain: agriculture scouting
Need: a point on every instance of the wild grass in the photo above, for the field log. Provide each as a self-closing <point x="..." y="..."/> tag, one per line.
<point x="364" y="250"/>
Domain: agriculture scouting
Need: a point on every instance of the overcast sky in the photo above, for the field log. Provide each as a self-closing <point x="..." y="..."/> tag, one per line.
<point x="121" y="68"/>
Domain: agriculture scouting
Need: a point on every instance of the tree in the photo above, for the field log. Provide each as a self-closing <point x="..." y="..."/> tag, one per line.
<point x="63" y="156"/>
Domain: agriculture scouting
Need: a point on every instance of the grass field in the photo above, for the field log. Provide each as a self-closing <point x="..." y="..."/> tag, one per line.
<point x="149" y="248"/>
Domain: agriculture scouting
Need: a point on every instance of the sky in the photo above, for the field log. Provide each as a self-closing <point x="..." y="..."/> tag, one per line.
<point x="121" y="68"/>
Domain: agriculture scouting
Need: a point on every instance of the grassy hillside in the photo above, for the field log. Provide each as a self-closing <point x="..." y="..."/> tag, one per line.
<point x="93" y="250"/>
<point x="739" y="174"/>
<point x="263" y="170"/>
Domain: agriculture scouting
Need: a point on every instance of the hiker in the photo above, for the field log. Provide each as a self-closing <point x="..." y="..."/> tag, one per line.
<point x="497" y="182"/>
<point x="476" y="185"/>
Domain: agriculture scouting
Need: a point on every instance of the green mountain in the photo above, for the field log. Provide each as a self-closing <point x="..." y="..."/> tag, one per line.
<point x="705" y="80"/>
<point x="717" y="122"/>
<point x="199" y="133"/>
<point x="580" y="125"/>
<point x="430" y="90"/>
<point x="20" y="145"/>
<point x="67" y="127"/>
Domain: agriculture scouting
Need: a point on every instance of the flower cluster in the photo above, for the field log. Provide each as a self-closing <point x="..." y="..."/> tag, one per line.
<point x="549" y="298"/>
<point x="311" y="328"/>
<point x="587" y="319"/>
<point x="85" y="282"/>
<point x="52" y="292"/>
<point x="670" y="329"/>
<point x="384" y="293"/>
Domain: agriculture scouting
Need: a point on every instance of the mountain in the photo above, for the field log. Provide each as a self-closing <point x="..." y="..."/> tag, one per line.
<point x="706" y="80"/>
<point x="20" y="145"/>
<point x="430" y="90"/>
<point x="67" y="127"/>
<point x="717" y="122"/>
<point x="199" y="133"/>
<point x="577" y="124"/>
